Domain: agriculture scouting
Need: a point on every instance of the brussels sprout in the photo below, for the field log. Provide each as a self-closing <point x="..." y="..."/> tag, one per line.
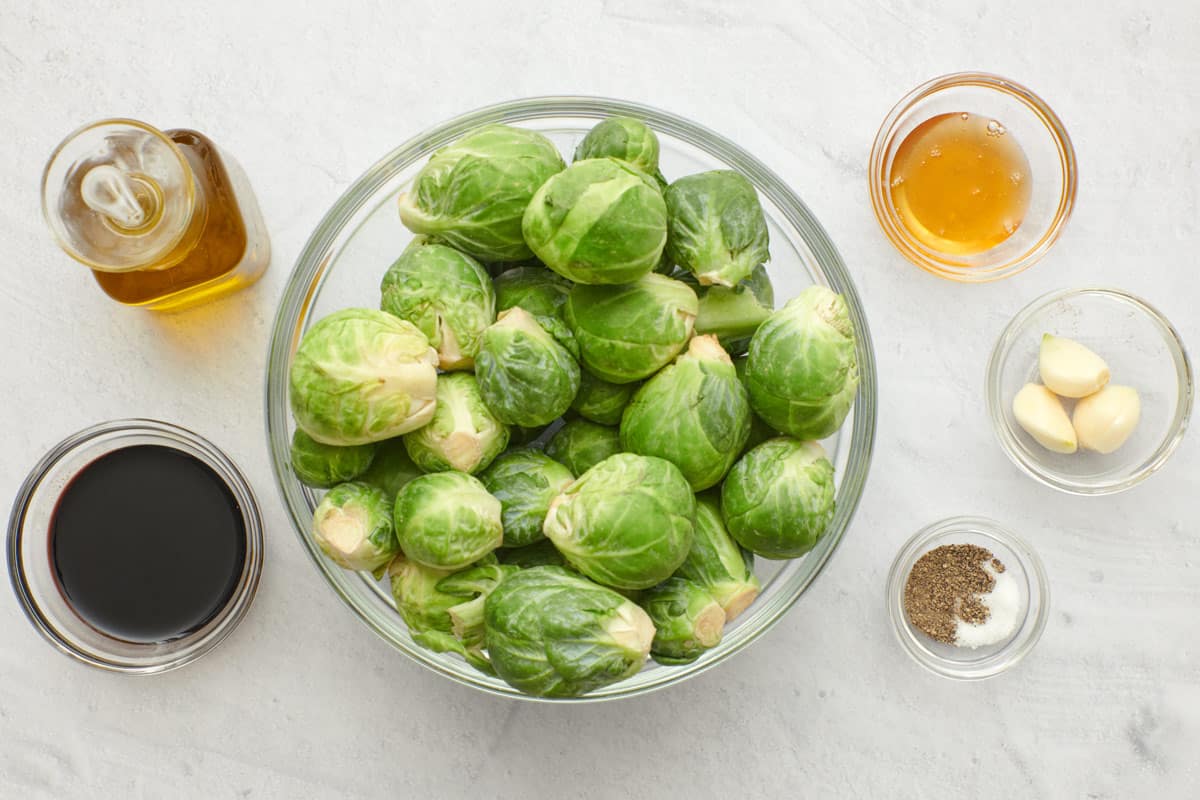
<point x="695" y="414"/>
<point x="536" y="289"/>
<point x="627" y="333"/>
<point x="626" y="522"/>
<point x="779" y="498"/>
<point x="463" y="434"/>
<point x="473" y="193"/>
<point x="553" y="633"/>
<point x="426" y="610"/>
<point x="391" y="468"/>
<point x="581" y="444"/>
<point x="520" y="436"/>
<point x="623" y="138"/>
<point x="525" y="481"/>
<point x="361" y="376"/>
<point x="734" y="314"/>
<point x="802" y="371"/>
<point x="600" y="400"/>
<point x="760" y="431"/>
<point x="717" y="562"/>
<point x="447" y="520"/>
<point x="541" y="553"/>
<point x="687" y="620"/>
<point x="598" y="221"/>
<point x="325" y="465"/>
<point x="526" y="375"/>
<point x="447" y="295"/>
<point x="473" y="585"/>
<point x="717" y="227"/>
<point x="353" y="526"/>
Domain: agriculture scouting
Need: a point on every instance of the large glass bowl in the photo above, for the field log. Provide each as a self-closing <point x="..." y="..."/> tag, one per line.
<point x="346" y="256"/>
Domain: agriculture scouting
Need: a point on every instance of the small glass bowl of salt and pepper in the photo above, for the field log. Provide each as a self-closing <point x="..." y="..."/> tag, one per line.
<point x="967" y="598"/>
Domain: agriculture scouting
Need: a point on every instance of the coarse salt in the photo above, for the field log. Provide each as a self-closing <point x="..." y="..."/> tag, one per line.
<point x="1003" y="603"/>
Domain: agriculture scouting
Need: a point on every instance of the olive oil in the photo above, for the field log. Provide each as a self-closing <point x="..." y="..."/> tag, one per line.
<point x="163" y="219"/>
<point x="960" y="183"/>
<point x="147" y="543"/>
<point x="206" y="261"/>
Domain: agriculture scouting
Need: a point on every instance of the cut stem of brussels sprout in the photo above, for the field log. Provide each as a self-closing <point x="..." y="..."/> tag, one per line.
<point x="463" y="434"/>
<point x="718" y="563"/>
<point x="353" y="526"/>
<point x="687" y="620"/>
<point x="630" y="628"/>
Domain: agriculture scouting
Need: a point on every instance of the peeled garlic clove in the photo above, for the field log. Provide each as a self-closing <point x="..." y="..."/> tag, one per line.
<point x="1104" y="420"/>
<point x="1069" y="369"/>
<point x="1039" y="411"/>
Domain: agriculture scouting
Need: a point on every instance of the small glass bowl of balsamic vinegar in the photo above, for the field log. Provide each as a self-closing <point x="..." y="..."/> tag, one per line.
<point x="135" y="546"/>
<point x="972" y="177"/>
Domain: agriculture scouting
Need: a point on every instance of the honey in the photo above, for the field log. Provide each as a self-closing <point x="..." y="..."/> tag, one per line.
<point x="163" y="219"/>
<point x="960" y="183"/>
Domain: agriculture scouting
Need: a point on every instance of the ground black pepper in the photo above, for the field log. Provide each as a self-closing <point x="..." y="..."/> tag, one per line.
<point x="944" y="586"/>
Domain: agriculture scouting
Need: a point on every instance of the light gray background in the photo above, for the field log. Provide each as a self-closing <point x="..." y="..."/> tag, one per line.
<point x="304" y="702"/>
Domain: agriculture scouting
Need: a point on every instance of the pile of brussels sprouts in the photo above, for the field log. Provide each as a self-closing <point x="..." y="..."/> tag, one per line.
<point x="575" y="417"/>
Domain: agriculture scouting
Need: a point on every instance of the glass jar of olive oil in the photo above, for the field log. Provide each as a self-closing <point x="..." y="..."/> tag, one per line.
<point x="163" y="219"/>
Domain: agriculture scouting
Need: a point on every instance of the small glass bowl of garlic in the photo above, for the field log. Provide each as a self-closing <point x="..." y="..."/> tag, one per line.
<point x="1089" y="390"/>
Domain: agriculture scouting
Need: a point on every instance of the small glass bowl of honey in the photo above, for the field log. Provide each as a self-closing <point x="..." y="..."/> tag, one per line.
<point x="972" y="177"/>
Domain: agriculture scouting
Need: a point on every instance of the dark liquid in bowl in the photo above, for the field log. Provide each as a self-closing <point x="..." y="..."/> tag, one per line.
<point x="148" y="543"/>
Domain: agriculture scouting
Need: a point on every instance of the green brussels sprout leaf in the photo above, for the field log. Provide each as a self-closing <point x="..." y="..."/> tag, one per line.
<point x="361" y="376"/>
<point x="695" y="414"/>
<point x="626" y="522"/>
<point x="447" y="295"/>
<point x="717" y="227"/>
<point x="802" y="370"/>
<point x="325" y="465"/>
<point x="552" y="633"/>
<point x="447" y="520"/>
<point x="472" y="194"/>
<point x="598" y="221"/>
<point x="779" y="498"/>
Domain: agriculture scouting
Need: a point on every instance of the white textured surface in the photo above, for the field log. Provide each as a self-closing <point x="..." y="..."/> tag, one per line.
<point x="304" y="702"/>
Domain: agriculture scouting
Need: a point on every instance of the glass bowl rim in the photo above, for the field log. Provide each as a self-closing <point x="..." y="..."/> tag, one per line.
<point x="1025" y="638"/>
<point x="311" y="269"/>
<point x="1175" y="432"/>
<point x="906" y="244"/>
<point x="177" y="652"/>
